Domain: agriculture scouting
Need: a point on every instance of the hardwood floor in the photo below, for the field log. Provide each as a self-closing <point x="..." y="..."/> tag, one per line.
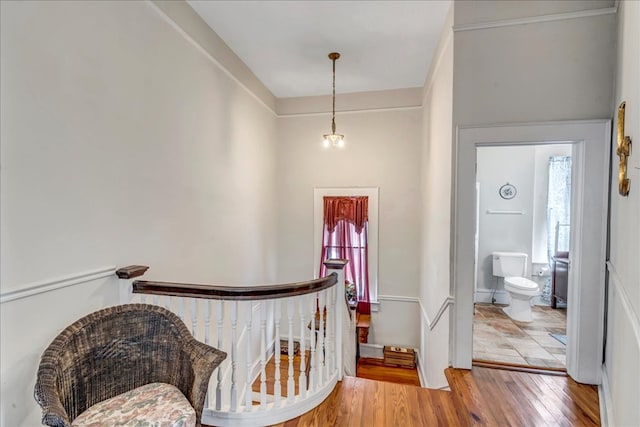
<point x="496" y="397"/>
<point x="480" y="397"/>
<point x="366" y="403"/>
<point x="375" y="369"/>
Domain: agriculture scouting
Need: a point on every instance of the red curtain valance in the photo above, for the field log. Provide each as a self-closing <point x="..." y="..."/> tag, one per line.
<point x="351" y="209"/>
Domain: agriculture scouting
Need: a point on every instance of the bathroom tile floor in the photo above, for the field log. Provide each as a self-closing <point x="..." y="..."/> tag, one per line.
<point x="498" y="338"/>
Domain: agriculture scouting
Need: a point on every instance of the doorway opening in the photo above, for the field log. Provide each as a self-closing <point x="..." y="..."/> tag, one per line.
<point x="590" y="141"/>
<point x="523" y="205"/>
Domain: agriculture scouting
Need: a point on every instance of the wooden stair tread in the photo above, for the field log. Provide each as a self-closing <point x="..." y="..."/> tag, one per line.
<point x="375" y="369"/>
<point x="363" y="323"/>
<point x="363" y="320"/>
<point x="270" y="373"/>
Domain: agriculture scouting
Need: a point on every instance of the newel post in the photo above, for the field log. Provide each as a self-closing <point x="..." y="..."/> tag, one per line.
<point x="126" y="276"/>
<point x="337" y="266"/>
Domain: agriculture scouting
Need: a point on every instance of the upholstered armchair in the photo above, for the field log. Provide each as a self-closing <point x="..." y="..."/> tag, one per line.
<point x="117" y="350"/>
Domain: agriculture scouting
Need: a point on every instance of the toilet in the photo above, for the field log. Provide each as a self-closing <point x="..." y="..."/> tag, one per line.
<point x="513" y="267"/>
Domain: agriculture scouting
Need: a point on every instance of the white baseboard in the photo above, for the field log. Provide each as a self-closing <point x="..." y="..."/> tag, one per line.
<point x="486" y="295"/>
<point x="421" y="376"/>
<point x="502" y="297"/>
<point x="606" y="404"/>
<point x="373" y="351"/>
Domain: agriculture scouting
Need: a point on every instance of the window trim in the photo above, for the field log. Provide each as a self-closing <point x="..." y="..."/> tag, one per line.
<point x="372" y="238"/>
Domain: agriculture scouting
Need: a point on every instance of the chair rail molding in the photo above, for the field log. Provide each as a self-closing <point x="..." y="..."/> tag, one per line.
<point x="399" y="298"/>
<point x="53" y="284"/>
<point x="443" y="307"/>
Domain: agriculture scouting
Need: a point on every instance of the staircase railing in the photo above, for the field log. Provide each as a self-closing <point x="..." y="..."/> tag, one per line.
<point x="285" y="342"/>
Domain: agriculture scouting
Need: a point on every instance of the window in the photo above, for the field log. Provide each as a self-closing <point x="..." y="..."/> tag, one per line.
<point x="344" y="236"/>
<point x="558" y="205"/>
<point x="367" y="248"/>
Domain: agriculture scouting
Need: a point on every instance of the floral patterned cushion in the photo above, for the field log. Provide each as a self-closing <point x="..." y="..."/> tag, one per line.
<point x="152" y="405"/>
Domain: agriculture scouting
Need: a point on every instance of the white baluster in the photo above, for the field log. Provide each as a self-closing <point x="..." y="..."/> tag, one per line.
<point x="167" y="302"/>
<point x="248" y="392"/>
<point x="263" y="355"/>
<point x="206" y="315"/>
<point x="291" y="385"/>
<point x="302" y="382"/>
<point x="143" y="298"/>
<point x="234" y="356"/>
<point x="331" y="332"/>
<point x="313" y="384"/>
<point x="194" y="316"/>
<point x="337" y="322"/>
<point x="277" y="387"/>
<point x="181" y="309"/>
<point x="321" y="353"/>
<point x="219" y="318"/>
<point x="156" y="300"/>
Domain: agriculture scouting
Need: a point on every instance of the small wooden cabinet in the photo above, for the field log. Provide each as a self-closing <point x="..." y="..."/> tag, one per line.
<point x="363" y="322"/>
<point x="400" y="356"/>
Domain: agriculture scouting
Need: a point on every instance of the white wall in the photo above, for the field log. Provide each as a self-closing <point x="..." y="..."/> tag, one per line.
<point x="382" y="150"/>
<point x="536" y="69"/>
<point x="498" y="166"/>
<point x="474" y="12"/>
<point x="122" y="143"/>
<point x="435" y="238"/>
<point x="532" y="72"/>
<point x="527" y="168"/>
<point x="622" y="369"/>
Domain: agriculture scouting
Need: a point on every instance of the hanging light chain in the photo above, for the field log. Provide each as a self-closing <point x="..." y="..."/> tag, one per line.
<point x="333" y="139"/>
<point x="333" y="57"/>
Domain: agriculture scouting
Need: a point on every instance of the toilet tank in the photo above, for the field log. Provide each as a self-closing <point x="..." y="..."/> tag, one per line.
<point x="506" y="264"/>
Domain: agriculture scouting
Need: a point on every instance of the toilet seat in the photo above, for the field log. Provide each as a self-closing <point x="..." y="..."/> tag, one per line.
<point x="521" y="284"/>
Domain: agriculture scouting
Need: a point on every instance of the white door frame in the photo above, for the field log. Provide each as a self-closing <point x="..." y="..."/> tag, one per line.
<point x="590" y="186"/>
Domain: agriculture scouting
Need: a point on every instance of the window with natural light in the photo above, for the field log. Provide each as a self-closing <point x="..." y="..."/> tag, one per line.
<point x="349" y="230"/>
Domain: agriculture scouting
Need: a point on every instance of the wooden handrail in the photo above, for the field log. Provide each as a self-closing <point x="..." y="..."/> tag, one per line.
<point x="237" y="293"/>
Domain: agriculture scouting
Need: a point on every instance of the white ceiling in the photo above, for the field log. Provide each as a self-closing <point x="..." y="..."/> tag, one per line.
<point x="383" y="44"/>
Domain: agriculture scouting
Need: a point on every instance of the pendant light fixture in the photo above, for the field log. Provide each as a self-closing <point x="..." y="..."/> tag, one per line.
<point x="334" y="139"/>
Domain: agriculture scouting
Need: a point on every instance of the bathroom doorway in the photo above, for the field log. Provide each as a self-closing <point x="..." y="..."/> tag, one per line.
<point x="590" y="142"/>
<point x="523" y="195"/>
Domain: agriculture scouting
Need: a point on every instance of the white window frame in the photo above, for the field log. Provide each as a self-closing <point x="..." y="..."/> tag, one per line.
<point x="372" y="238"/>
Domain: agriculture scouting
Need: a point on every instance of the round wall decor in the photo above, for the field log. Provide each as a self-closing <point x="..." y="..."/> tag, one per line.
<point x="508" y="191"/>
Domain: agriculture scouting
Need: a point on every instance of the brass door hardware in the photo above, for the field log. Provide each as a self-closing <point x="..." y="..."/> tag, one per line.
<point x="623" y="151"/>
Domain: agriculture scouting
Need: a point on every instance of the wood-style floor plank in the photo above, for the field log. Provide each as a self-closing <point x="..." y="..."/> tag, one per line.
<point x="528" y="399"/>
<point x="468" y="398"/>
<point x="479" y="397"/>
<point x="366" y="403"/>
<point x="375" y="369"/>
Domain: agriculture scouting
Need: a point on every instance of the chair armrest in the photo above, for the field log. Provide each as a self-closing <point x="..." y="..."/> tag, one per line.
<point x="53" y="412"/>
<point x="204" y="360"/>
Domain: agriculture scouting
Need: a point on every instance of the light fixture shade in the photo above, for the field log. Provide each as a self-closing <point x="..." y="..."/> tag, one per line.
<point x="333" y="140"/>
